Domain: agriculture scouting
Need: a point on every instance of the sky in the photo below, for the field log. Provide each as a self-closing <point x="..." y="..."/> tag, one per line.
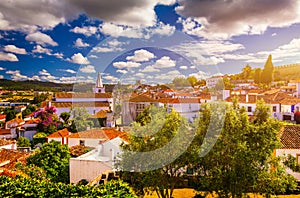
<point x="68" y="41"/>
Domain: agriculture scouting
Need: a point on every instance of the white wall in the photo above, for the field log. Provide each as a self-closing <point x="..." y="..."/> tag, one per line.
<point x="87" y="142"/>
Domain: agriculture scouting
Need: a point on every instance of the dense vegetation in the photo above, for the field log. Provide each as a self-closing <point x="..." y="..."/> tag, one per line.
<point x="27" y="187"/>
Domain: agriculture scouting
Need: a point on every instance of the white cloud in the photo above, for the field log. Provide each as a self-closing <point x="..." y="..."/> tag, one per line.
<point x="8" y="57"/>
<point x="16" y="75"/>
<point x="146" y="32"/>
<point x="183" y="67"/>
<point x="14" y="49"/>
<point x="86" y="30"/>
<point x="2" y="68"/>
<point x="35" y="78"/>
<point x="141" y="56"/>
<point x="78" y="58"/>
<point x="129" y="64"/>
<point x="79" y="43"/>
<point x="41" y="39"/>
<point x="106" y="49"/>
<point x="164" y="62"/>
<point x="149" y="69"/>
<point x="110" y="78"/>
<point x="122" y="71"/>
<point x="1" y="76"/>
<point x="224" y="19"/>
<point x="68" y="71"/>
<point x="93" y="56"/>
<point x="88" y="69"/>
<point x="41" y="50"/>
<point x="44" y="72"/>
<point x="193" y="67"/>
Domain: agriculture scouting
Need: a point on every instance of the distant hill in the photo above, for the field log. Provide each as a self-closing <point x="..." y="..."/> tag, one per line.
<point x="47" y="86"/>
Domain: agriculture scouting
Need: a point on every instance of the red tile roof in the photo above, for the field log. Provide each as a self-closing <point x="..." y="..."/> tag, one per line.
<point x="82" y="95"/>
<point x="141" y="98"/>
<point x="179" y="100"/>
<point x="33" y="121"/>
<point x="12" y="156"/>
<point x="59" y="134"/>
<point x="290" y="137"/>
<point x="2" y="117"/>
<point x="4" y="142"/>
<point x="4" y="131"/>
<point x="107" y="134"/>
<point x="79" y="104"/>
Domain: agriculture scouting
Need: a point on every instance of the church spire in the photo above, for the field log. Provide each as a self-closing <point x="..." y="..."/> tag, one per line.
<point x="99" y="81"/>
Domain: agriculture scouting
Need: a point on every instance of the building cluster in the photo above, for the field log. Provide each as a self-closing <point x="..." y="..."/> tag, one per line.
<point x="104" y="143"/>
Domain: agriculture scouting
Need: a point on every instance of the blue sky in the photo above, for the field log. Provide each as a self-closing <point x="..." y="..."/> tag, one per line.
<point x="153" y="40"/>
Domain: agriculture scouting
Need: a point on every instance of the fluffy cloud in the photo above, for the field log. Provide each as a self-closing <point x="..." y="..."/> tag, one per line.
<point x="223" y="19"/>
<point x="141" y="56"/>
<point x="79" y="43"/>
<point x="164" y="62"/>
<point x="122" y="71"/>
<point x="86" y="30"/>
<point x="111" y="78"/>
<point x="44" y="72"/>
<point x="14" y="49"/>
<point x="149" y="69"/>
<point x="41" y="50"/>
<point x="129" y="64"/>
<point x="110" y="46"/>
<point x="2" y="68"/>
<point x="78" y="58"/>
<point x="16" y="75"/>
<point x="8" y="57"/>
<point x="88" y="69"/>
<point x="146" y="32"/>
<point x="41" y="39"/>
<point x="183" y="67"/>
<point x="68" y="70"/>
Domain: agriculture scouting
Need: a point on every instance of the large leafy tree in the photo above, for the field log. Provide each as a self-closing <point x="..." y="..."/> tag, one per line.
<point x="159" y="137"/>
<point x="81" y="119"/>
<point x="241" y="160"/>
<point x="52" y="157"/>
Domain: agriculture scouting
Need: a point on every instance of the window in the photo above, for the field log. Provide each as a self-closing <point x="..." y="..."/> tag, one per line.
<point x="274" y="108"/>
<point x="298" y="158"/>
<point x="250" y="109"/>
<point x="81" y="142"/>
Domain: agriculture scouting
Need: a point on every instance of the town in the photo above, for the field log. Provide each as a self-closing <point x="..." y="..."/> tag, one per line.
<point x="79" y="137"/>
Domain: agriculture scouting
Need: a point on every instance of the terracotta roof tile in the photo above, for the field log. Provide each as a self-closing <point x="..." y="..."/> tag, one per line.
<point x="79" y="104"/>
<point x="179" y="100"/>
<point x="4" y="131"/>
<point x="13" y="156"/>
<point x="59" y="134"/>
<point x="290" y="137"/>
<point x="141" y="98"/>
<point x="82" y="95"/>
<point x="107" y="134"/>
<point x="4" y="142"/>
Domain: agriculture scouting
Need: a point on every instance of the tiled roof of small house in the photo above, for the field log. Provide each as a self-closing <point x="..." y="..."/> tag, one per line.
<point x="59" y="134"/>
<point x="2" y="117"/>
<point x="4" y="142"/>
<point x="179" y="100"/>
<point x="290" y="137"/>
<point x="33" y="121"/>
<point x="79" y="104"/>
<point x="4" y="131"/>
<point x="106" y="134"/>
<point x="141" y="98"/>
<point x="82" y="95"/>
<point x="9" y="157"/>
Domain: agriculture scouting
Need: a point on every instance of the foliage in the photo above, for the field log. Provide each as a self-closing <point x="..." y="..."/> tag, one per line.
<point x="181" y="82"/>
<point x="268" y="71"/>
<point x="192" y="80"/>
<point x="81" y="119"/>
<point x="236" y="164"/>
<point x="54" y="158"/>
<point x="168" y="126"/>
<point x="49" y="120"/>
<point x="32" y="171"/>
<point x="291" y="162"/>
<point x="10" y="113"/>
<point x="38" y="98"/>
<point x="29" y="109"/>
<point x="26" y="187"/>
<point x="23" y="142"/>
<point x="257" y="75"/>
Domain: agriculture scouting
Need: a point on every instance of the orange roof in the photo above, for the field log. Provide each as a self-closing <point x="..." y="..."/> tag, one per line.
<point x="82" y="95"/>
<point x="4" y="142"/>
<point x="11" y="155"/>
<point x="2" y="117"/>
<point x="107" y="134"/>
<point x="33" y="121"/>
<point x="19" y="121"/>
<point x="290" y="137"/>
<point x="179" y="100"/>
<point x="141" y="98"/>
<point x="30" y="115"/>
<point x="4" y="131"/>
<point x="59" y="134"/>
<point x="79" y="104"/>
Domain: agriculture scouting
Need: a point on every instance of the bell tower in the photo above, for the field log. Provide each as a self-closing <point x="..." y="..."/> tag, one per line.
<point x="99" y="88"/>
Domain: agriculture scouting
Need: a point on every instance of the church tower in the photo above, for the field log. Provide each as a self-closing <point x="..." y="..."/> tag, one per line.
<point x="99" y="88"/>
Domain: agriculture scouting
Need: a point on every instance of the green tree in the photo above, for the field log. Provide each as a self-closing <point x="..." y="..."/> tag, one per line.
<point x="38" y="98"/>
<point x="247" y="72"/>
<point x="153" y="172"/>
<point x="10" y="114"/>
<point x="268" y="71"/>
<point x="181" y="82"/>
<point x="192" y="80"/>
<point x="23" y="142"/>
<point x="81" y="119"/>
<point x="65" y="116"/>
<point x="53" y="157"/>
<point x="257" y="75"/>
<point x="236" y="164"/>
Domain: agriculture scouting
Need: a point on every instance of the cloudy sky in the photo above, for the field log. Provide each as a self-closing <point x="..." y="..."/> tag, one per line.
<point x="151" y="40"/>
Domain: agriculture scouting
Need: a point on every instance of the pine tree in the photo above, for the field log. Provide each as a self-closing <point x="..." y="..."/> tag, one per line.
<point x="267" y="73"/>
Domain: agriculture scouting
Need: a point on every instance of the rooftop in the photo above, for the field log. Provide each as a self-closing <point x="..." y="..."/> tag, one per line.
<point x="290" y="137"/>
